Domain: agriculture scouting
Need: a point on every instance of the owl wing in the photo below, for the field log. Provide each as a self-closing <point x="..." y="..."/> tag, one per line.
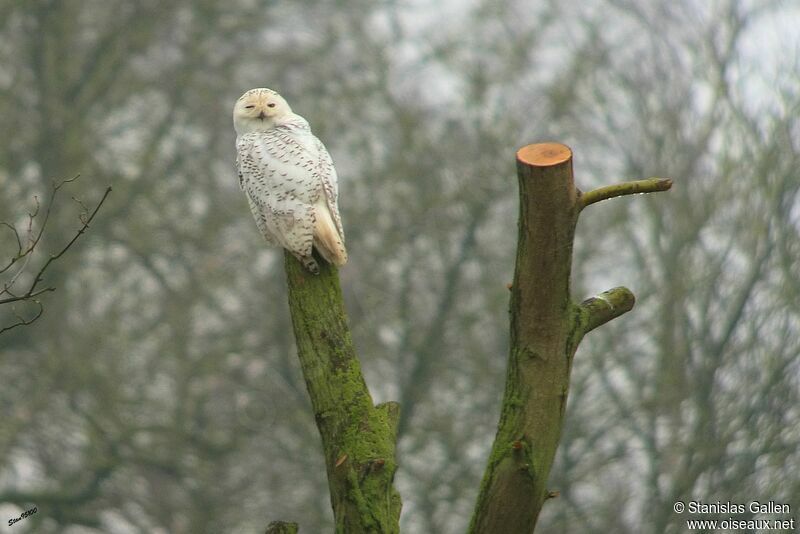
<point x="278" y="179"/>
<point x="327" y="175"/>
<point x="247" y="173"/>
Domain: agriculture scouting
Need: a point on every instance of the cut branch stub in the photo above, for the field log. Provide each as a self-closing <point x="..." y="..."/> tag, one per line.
<point x="547" y="225"/>
<point x="606" y="306"/>
<point x="544" y="155"/>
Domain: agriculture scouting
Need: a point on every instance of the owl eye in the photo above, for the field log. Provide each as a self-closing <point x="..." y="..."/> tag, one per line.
<point x="271" y="105"/>
<point x="250" y="107"/>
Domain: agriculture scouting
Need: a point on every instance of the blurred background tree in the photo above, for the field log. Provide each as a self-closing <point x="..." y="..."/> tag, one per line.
<point x="159" y="391"/>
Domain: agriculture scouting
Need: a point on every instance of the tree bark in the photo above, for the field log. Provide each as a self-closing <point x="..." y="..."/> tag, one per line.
<point x="358" y="438"/>
<point x="282" y="527"/>
<point x="546" y="328"/>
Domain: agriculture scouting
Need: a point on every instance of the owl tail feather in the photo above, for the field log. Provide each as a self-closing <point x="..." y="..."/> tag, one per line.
<point x="326" y="237"/>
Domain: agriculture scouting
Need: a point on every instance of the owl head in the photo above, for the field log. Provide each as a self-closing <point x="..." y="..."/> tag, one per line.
<point x="259" y="110"/>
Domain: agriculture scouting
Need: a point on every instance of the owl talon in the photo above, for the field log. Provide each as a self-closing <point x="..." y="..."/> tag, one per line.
<point x="311" y="265"/>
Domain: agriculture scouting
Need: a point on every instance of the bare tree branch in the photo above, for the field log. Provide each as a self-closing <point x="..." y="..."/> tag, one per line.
<point x="26" y="247"/>
<point x="21" y="320"/>
<point x="651" y="185"/>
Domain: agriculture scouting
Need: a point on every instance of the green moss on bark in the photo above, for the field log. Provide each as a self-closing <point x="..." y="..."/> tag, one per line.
<point x="358" y="438"/>
<point x="546" y="328"/>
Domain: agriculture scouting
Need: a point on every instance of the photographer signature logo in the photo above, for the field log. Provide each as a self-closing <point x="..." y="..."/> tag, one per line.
<point x="23" y="516"/>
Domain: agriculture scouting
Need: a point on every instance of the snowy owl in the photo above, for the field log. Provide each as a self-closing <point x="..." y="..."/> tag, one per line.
<point x="288" y="178"/>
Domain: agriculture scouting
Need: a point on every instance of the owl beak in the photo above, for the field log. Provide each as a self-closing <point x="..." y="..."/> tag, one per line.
<point x="262" y="116"/>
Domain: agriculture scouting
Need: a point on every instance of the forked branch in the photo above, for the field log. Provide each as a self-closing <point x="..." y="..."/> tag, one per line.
<point x="26" y="245"/>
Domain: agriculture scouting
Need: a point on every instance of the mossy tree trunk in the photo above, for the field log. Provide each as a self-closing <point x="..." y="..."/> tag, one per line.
<point x="546" y="328"/>
<point x="359" y="438"/>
